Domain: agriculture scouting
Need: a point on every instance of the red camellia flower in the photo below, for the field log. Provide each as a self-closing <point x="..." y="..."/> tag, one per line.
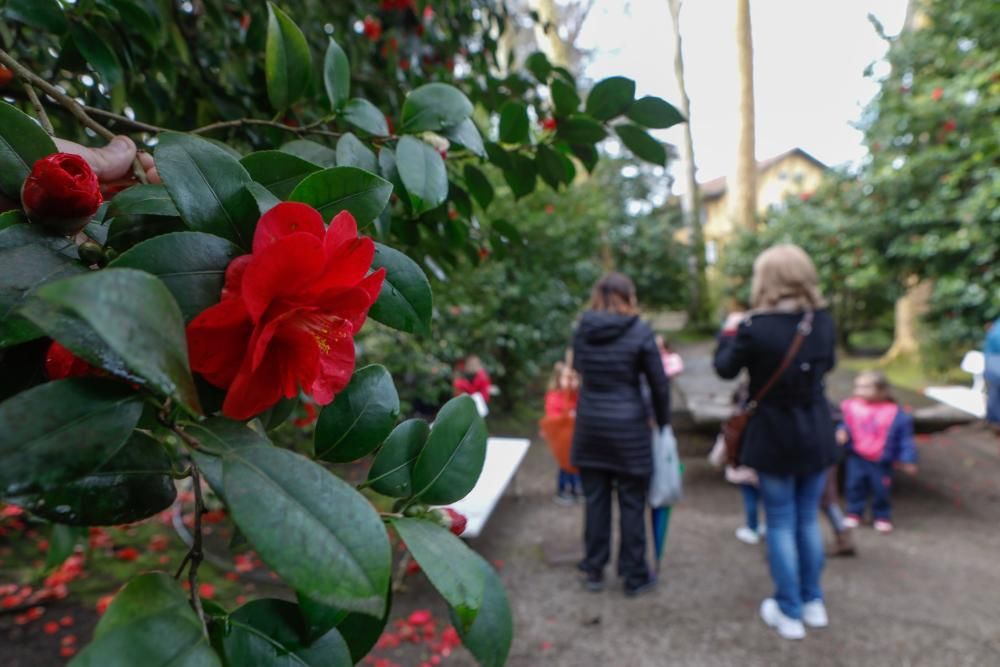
<point x="60" y="363"/>
<point x="937" y="94"/>
<point x="61" y="193"/>
<point x="372" y="28"/>
<point x="289" y="312"/>
<point x="949" y="125"/>
<point x="6" y="76"/>
<point x="549" y="124"/>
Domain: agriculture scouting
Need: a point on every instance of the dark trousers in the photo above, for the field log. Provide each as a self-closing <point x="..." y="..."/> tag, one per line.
<point x="869" y="479"/>
<point x="597" y="486"/>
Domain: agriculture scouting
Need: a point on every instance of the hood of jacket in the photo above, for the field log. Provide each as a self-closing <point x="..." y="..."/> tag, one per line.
<point x="599" y="327"/>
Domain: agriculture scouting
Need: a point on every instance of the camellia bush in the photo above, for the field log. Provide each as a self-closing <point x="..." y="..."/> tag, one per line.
<point x="156" y="333"/>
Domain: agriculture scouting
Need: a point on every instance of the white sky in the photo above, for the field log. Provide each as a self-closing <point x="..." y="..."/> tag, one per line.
<point x="809" y="62"/>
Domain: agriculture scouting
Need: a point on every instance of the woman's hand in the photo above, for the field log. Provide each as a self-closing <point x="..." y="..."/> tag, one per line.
<point x="732" y="322"/>
<point x="842" y="437"/>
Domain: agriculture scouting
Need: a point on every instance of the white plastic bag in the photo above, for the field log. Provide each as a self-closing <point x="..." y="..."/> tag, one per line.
<point x="481" y="406"/>
<point x="665" y="487"/>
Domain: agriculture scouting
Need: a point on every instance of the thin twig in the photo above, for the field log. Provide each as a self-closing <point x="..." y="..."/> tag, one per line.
<point x="39" y="109"/>
<point x="305" y="129"/>
<point x="196" y="553"/>
<point x="136" y="125"/>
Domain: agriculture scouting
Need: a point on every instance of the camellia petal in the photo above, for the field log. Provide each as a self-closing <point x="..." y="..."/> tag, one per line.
<point x="234" y="277"/>
<point x="287" y="267"/>
<point x="343" y="229"/>
<point x="336" y="367"/>
<point x="285" y="219"/>
<point x="218" y="339"/>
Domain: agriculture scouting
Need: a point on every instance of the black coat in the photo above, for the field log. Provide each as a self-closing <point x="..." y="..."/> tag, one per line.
<point x="612" y="431"/>
<point x="792" y="432"/>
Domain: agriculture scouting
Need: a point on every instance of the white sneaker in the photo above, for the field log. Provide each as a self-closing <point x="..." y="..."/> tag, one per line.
<point x="814" y="614"/>
<point x="762" y="530"/>
<point x="852" y="521"/>
<point x="788" y="628"/>
<point x="747" y="536"/>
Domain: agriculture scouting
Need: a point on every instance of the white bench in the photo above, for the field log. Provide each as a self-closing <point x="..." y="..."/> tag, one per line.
<point x="503" y="458"/>
<point x="967" y="399"/>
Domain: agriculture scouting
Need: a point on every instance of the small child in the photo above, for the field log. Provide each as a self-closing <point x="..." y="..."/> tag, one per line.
<point x="557" y="429"/>
<point x="471" y="378"/>
<point x="673" y="364"/>
<point x="879" y="435"/>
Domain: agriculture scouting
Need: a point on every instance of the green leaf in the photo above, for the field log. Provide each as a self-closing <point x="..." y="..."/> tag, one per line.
<point x="405" y="302"/>
<point x="352" y="153"/>
<point x="451" y="566"/>
<point x="263" y="198"/>
<point x="287" y="61"/>
<point x="344" y="189"/>
<point x="423" y="173"/>
<point x="311" y="151"/>
<point x="434" y="106"/>
<point x="490" y="636"/>
<point x="610" y="97"/>
<point x="208" y="187"/>
<point x="580" y="129"/>
<point x="360" y="418"/>
<point x="538" y="64"/>
<point x="479" y="186"/>
<point x="143" y="199"/>
<point x="564" y="98"/>
<point x="508" y="231"/>
<point x="97" y="53"/>
<point x="391" y="472"/>
<point x="387" y="168"/>
<point x="149" y="623"/>
<point x="11" y="218"/>
<point x="133" y="484"/>
<point x="127" y="230"/>
<point x="497" y="155"/>
<point x="551" y="167"/>
<point x="654" y="112"/>
<point x="29" y="258"/>
<point x="277" y="171"/>
<point x="62" y="542"/>
<point x="131" y="313"/>
<point x="364" y="115"/>
<point x="522" y="176"/>
<point x="298" y="515"/>
<point x="44" y="15"/>
<point x="22" y="143"/>
<point x="641" y="144"/>
<point x="83" y="424"/>
<point x="514" y="123"/>
<point x="451" y="461"/>
<point x="360" y="631"/>
<point x="466" y="134"/>
<point x="336" y="75"/>
<point x="587" y="155"/>
<point x="192" y="265"/>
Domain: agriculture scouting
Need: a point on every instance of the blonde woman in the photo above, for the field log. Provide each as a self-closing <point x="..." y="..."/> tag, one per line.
<point x="790" y="439"/>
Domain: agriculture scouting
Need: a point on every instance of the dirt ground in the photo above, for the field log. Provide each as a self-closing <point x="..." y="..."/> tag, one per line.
<point x="929" y="594"/>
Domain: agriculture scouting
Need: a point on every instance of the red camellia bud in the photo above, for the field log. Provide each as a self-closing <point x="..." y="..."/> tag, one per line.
<point x="372" y="28"/>
<point x="950" y="125"/>
<point x="549" y="124"/>
<point x="456" y="521"/>
<point x="6" y="76"/>
<point x="61" y="194"/>
<point x="937" y="94"/>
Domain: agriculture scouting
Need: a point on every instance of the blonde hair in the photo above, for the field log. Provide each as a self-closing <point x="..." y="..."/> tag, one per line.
<point x="614" y="293"/>
<point x="557" y="371"/>
<point x="785" y="272"/>
<point x="883" y="387"/>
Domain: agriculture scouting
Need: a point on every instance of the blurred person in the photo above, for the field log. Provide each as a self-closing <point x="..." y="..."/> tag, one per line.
<point x="471" y="378"/>
<point x="991" y="352"/>
<point x="557" y="430"/>
<point x="673" y="364"/>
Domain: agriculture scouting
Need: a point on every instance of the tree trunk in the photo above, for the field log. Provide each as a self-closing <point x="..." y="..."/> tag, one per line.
<point x="698" y="305"/>
<point x="547" y="33"/>
<point x="743" y="193"/>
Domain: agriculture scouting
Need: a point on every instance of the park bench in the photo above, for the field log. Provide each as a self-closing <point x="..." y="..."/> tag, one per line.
<point x="503" y="457"/>
<point x="967" y="399"/>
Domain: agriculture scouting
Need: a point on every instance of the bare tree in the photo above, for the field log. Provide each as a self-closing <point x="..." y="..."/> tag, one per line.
<point x="744" y="191"/>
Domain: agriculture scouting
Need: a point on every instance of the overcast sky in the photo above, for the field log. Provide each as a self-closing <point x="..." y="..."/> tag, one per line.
<point x="809" y="62"/>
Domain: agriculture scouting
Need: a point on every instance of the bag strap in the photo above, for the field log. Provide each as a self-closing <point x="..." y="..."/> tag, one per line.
<point x="802" y="330"/>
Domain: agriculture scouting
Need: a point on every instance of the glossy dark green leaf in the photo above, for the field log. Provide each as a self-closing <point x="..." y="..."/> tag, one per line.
<point x="22" y="143"/>
<point x="44" y="15"/>
<point x="208" y="187"/>
<point x="587" y="155"/>
<point x="310" y="151"/>
<point x="360" y="631"/>
<point x="451" y="566"/>
<point x="262" y="197"/>
<point x="83" y="425"/>
<point x="97" y="52"/>
<point x="62" y="542"/>
<point x="450" y="463"/>
<point x="610" y="97"/>
<point x="143" y="199"/>
<point x="564" y="98"/>
<point x="351" y="152"/>
<point x="336" y="75"/>
<point x="497" y="155"/>
<point x="306" y="517"/>
<point x="192" y="265"/>
<point x="405" y="302"/>
<point x="278" y="171"/>
<point x="149" y="623"/>
<point x="490" y="636"/>
<point x="580" y="129"/>
<point x="434" y="106"/>
<point x="466" y="134"/>
<point x="654" y="112"/>
<point x="127" y="230"/>
<point x="539" y="66"/>
<point x="128" y="312"/>
<point x="364" y="115"/>
<point x="508" y="231"/>
<point x="287" y="61"/>
<point x="522" y="175"/>
<point x="551" y="167"/>
<point x="514" y="124"/>
<point x="391" y="472"/>
<point x="11" y="218"/>
<point x="642" y="144"/>
<point x="389" y="171"/>
<point x="344" y="189"/>
<point x="360" y="418"/>
<point x="459" y="198"/>
<point x="479" y="186"/>
<point x="423" y="173"/>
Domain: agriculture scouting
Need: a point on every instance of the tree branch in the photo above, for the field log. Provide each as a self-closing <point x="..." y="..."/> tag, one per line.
<point x="39" y="109"/>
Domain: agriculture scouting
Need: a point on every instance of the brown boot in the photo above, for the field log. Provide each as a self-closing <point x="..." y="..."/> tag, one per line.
<point x="845" y="544"/>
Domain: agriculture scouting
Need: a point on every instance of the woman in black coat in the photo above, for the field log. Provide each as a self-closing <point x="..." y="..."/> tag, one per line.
<point x="612" y="441"/>
<point x="790" y="439"/>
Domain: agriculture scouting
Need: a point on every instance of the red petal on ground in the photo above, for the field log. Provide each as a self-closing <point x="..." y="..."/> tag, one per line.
<point x="546" y="645"/>
<point x="36" y="613"/>
<point x="67" y="621"/>
<point x="206" y="590"/>
<point x="50" y="628"/>
<point x="68" y="640"/>
<point x="103" y="602"/>
<point x="67" y="651"/>
<point x="420" y="617"/>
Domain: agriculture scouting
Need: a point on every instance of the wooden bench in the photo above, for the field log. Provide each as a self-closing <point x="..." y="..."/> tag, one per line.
<point x="503" y="457"/>
<point x="967" y="399"/>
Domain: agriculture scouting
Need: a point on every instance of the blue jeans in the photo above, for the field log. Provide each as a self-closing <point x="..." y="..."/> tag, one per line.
<point x="569" y="482"/>
<point x="751" y="496"/>
<point x="794" y="542"/>
<point x="869" y="479"/>
<point x="993" y="403"/>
